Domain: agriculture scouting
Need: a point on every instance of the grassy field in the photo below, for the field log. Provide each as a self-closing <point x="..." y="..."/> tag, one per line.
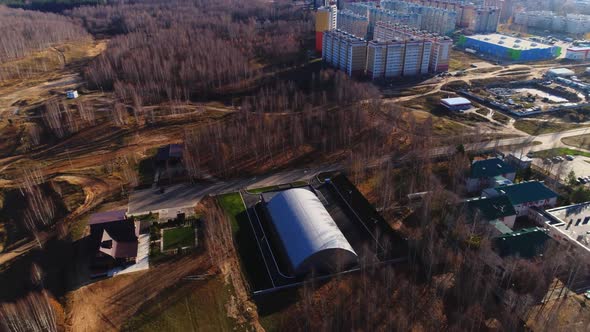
<point x="581" y="141"/>
<point x="251" y="260"/>
<point x="533" y="127"/>
<point x="189" y="306"/>
<point x="559" y="152"/>
<point x="179" y="238"/>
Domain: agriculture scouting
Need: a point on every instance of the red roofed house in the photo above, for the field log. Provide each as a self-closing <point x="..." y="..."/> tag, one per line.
<point x="113" y="240"/>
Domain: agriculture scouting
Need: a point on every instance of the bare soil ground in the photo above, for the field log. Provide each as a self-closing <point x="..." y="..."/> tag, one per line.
<point x="105" y="305"/>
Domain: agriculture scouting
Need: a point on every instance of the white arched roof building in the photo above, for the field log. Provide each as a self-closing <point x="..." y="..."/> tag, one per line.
<point x="309" y="236"/>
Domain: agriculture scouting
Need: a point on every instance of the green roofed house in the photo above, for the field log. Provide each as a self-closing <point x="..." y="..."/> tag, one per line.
<point x="525" y="195"/>
<point x="525" y="243"/>
<point x="493" y="210"/>
<point x="486" y="173"/>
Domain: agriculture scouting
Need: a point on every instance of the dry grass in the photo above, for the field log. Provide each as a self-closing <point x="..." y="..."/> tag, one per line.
<point x="581" y="141"/>
<point x="460" y="60"/>
<point x="533" y="127"/>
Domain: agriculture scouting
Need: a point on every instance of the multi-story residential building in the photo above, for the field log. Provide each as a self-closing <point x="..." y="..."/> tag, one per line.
<point x="439" y="51"/>
<point x="547" y="20"/>
<point x="325" y="19"/>
<point x="442" y="16"/>
<point x="417" y="57"/>
<point x="385" y="59"/>
<point x="435" y="20"/>
<point x="353" y="23"/>
<point x="345" y="51"/>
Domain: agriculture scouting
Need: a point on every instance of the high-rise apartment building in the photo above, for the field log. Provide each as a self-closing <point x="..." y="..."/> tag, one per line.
<point x="546" y="20"/>
<point x="440" y="49"/>
<point x="353" y="23"/>
<point x="325" y="19"/>
<point x="385" y="59"/>
<point x="345" y="51"/>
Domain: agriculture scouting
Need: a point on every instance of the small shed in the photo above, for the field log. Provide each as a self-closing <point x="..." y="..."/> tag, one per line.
<point x="560" y="72"/>
<point x="72" y="94"/>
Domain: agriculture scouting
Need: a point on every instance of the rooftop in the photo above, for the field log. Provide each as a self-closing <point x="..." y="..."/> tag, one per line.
<point x="489" y="168"/>
<point x="492" y="208"/>
<point x="509" y="42"/>
<point x="573" y="221"/>
<point x="106" y="217"/>
<point x="561" y="72"/>
<point x="526" y="243"/>
<point x="169" y="151"/>
<point x="524" y="192"/>
<point x="456" y="101"/>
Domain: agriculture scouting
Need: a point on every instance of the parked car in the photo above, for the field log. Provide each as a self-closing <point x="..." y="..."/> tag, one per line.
<point x="530" y="154"/>
<point x="587" y="294"/>
<point x="546" y="161"/>
<point x="569" y="157"/>
<point x="581" y="179"/>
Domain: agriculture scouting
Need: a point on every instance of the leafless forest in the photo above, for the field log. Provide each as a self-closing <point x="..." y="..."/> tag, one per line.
<point x="243" y="55"/>
<point x="25" y="31"/>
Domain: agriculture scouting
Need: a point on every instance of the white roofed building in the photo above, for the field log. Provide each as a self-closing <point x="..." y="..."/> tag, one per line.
<point x="456" y="104"/>
<point x="309" y="238"/>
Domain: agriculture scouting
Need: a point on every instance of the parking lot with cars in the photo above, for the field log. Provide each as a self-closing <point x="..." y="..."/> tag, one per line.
<point x="561" y="166"/>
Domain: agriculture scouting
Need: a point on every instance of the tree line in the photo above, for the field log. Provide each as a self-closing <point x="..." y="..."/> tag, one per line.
<point x="178" y="50"/>
<point x="26" y="31"/>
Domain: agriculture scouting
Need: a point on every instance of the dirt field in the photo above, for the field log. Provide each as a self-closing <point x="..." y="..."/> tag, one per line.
<point x="106" y="305"/>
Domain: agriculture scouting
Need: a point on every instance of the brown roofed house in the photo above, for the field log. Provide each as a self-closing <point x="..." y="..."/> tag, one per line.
<point x="113" y="240"/>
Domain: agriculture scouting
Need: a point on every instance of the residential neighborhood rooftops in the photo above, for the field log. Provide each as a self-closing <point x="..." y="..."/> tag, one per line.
<point x="492" y="208"/>
<point x="109" y="216"/>
<point x="523" y="192"/>
<point x="526" y="243"/>
<point x="490" y="168"/>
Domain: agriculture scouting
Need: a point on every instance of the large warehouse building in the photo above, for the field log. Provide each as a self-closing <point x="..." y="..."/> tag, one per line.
<point x="308" y="236"/>
<point x="503" y="47"/>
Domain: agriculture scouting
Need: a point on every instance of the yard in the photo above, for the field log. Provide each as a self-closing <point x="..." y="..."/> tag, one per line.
<point x="180" y="237"/>
<point x="251" y="260"/>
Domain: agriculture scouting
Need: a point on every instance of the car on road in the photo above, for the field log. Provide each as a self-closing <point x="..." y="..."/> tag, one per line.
<point x="569" y="157"/>
<point x="530" y="154"/>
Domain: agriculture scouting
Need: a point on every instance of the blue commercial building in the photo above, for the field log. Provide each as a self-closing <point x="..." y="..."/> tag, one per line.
<point x="509" y="48"/>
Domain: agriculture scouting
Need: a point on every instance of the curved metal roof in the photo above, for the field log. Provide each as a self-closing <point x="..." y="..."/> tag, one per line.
<point x="307" y="230"/>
